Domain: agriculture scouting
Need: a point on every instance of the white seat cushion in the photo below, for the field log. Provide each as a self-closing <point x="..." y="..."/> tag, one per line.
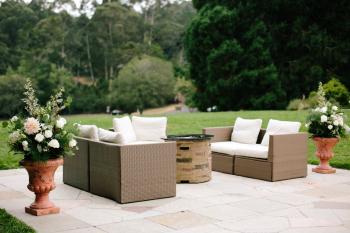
<point x="109" y="136"/>
<point x="124" y="127"/>
<point x="246" y="131"/>
<point x="149" y="128"/>
<point x="142" y="142"/>
<point x="234" y="148"/>
<point x="275" y="127"/>
<point x="88" y="131"/>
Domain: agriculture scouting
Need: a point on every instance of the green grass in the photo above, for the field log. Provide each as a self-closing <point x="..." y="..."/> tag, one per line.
<point x="193" y="123"/>
<point x="10" y="224"/>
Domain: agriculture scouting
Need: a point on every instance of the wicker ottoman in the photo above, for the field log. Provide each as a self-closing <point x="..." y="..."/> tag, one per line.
<point x="193" y="158"/>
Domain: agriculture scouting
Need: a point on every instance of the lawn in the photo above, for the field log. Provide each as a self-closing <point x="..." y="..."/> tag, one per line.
<point x="193" y="123"/>
<point x="9" y="224"/>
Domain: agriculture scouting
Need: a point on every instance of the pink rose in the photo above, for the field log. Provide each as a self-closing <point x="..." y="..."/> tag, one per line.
<point x="31" y="126"/>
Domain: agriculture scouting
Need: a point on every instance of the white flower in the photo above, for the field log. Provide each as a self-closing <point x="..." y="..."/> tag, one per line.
<point x="54" y="144"/>
<point x="72" y="143"/>
<point x="40" y="149"/>
<point x="14" y="137"/>
<point x="25" y="145"/>
<point x="335" y="108"/>
<point x="317" y="109"/>
<point x="324" y="118"/>
<point x="39" y="137"/>
<point x="48" y="133"/>
<point x="31" y="126"/>
<point x="324" y="109"/>
<point x="336" y="123"/>
<point x="14" y="118"/>
<point x="60" y="123"/>
<point x="330" y="127"/>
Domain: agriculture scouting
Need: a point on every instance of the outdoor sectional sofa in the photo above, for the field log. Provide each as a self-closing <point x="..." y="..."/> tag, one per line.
<point x="284" y="158"/>
<point x="125" y="173"/>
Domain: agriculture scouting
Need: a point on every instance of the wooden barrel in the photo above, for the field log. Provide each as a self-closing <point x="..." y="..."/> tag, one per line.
<point x="193" y="161"/>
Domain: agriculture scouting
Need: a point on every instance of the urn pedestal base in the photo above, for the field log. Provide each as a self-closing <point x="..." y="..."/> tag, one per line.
<point x="323" y="171"/>
<point x="40" y="212"/>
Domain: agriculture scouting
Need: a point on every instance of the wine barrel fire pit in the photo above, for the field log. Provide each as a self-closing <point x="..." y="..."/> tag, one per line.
<point x="193" y="157"/>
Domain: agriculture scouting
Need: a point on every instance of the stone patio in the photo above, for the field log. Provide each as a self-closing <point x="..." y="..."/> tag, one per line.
<point x="318" y="203"/>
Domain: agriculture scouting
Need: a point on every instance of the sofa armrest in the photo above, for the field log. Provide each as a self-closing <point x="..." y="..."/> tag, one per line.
<point x="220" y="133"/>
<point x="288" y="147"/>
<point x="128" y="173"/>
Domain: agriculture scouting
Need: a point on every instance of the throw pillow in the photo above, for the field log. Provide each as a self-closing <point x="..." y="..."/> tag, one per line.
<point x="246" y="130"/>
<point x="279" y="127"/>
<point x="149" y="128"/>
<point x="124" y="127"/>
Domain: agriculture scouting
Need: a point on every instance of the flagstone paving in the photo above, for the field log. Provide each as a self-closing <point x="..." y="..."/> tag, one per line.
<point x="318" y="203"/>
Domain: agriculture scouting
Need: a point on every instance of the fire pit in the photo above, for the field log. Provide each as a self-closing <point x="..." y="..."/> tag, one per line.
<point x="193" y="158"/>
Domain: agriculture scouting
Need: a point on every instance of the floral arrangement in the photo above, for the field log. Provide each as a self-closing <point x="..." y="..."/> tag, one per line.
<point x="326" y="120"/>
<point x="41" y="134"/>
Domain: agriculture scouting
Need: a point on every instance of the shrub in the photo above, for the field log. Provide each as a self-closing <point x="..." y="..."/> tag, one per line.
<point x="187" y="89"/>
<point x="336" y="91"/>
<point x="145" y="82"/>
<point x="11" y="89"/>
<point x="298" y="104"/>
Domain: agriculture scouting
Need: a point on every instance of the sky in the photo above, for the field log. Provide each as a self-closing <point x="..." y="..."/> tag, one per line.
<point x="89" y="11"/>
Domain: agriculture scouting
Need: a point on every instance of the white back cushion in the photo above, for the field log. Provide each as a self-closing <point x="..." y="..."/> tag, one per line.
<point x="246" y="131"/>
<point x="88" y="131"/>
<point x="279" y="127"/>
<point x="149" y="128"/>
<point x="124" y="127"/>
<point x="109" y="136"/>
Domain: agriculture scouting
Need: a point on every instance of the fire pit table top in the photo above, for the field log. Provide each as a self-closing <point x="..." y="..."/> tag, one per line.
<point x="189" y="137"/>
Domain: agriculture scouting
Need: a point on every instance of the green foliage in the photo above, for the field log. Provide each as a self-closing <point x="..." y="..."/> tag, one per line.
<point x="304" y="48"/>
<point x="41" y="134"/>
<point x="10" y="224"/>
<point x="144" y="82"/>
<point x="327" y="120"/>
<point x="11" y="89"/>
<point x="334" y="89"/>
<point x="187" y="89"/>
<point x="230" y="61"/>
<point x="298" y="104"/>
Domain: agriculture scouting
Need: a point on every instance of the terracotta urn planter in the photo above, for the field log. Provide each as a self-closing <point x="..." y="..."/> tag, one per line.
<point x="324" y="151"/>
<point x="41" y="182"/>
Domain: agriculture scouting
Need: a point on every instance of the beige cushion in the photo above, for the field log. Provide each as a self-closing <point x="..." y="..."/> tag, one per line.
<point x="124" y="127"/>
<point x="275" y="127"/>
<point x="246" y="131"/>
<point x="88" y="131"/>
<point x="149" y="128"/>
<point x="109" y="136"/>
<point x="234" y="148"/>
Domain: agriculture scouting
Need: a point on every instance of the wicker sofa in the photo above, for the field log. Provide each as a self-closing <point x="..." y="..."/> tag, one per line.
<point x="286" y="156"/>
<point x="124" y="173"/>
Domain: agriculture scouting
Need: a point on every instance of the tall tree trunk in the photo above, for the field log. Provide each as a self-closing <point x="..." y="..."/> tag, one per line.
<point x="152" y="25"/>
<point x="106" y="65"/>
<point x="111" y="70"/>
<point x="89" y="58"/>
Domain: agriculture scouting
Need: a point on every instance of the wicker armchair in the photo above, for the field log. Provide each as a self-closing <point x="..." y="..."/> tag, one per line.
<point x="287" y="157"/>
<point x="124" y="173"/>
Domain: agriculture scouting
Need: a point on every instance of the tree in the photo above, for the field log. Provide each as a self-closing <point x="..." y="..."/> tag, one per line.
<point x="230" y="60"/>
<point x="16" y="22"/>
<point x="145" y="82"/>
<point x="11" y="89"/>
<point x="335" y="90"/>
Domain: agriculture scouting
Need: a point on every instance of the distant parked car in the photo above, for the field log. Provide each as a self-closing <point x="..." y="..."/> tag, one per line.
<point x="116" y="112"/>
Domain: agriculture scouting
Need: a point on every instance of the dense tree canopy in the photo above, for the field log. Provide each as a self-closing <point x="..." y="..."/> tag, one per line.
<point x="84" y="53"/>
<point x="305" y="40"/>
<point x="145" y="82"/>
